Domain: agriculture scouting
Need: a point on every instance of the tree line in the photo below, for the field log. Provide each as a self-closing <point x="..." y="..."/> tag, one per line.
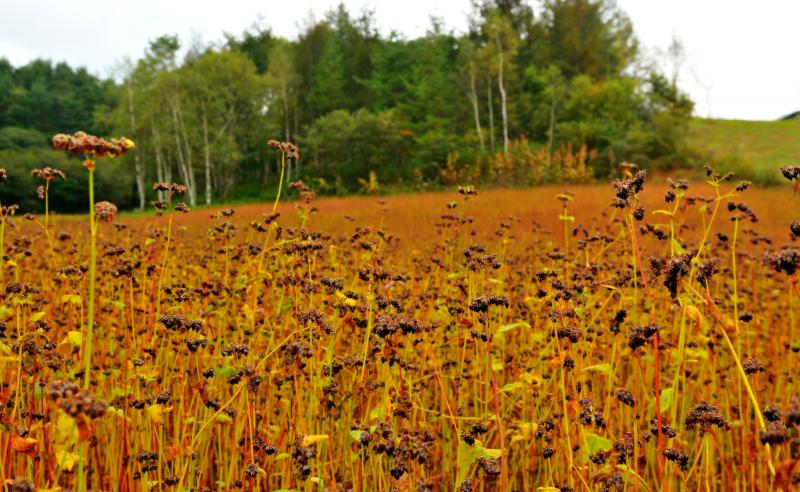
<point x="551" y="91"/>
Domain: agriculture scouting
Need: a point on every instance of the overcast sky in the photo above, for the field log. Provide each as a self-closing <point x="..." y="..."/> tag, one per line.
<point x="741" y="54"/>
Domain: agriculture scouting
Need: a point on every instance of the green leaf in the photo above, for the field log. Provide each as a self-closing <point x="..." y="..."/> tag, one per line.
<point x="37" y="316"/>
<point x="597" y="443"/>
<point x="510" y="387"/>
<point x="286" y="304"/>
<point x="468" y="454"/>
<point x="677" y="246"/>
<point x="605" y="368"/>
<point x="241" y="283"/>
<point x="225" y="371"/>
<point x="356" y="435"/>
<point x="71" y="298"/>
<point x="667" y="396"/>
<point x="513" y="326"/>
<point x="378" y="412"/>
<point x="697" y="353"/>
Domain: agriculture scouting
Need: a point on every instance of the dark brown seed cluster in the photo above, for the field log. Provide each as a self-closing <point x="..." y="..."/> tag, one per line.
<point x="74" y="401"/>
<point x="775" y="433"/>
<point x="704" y="416"/>
<point x="791" y="172"/>
<point x="639" y="336"/>
<point x="628" y="188"/>
<point x="626" y="397"/>
<point x="785" y="260"/>
<point x="753" y="366"/>
<point x="172" y="188"/>
<point x="676" y="456"/>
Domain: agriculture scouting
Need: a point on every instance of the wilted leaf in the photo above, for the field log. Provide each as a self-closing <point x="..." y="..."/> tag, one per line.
<point x="24" y="445"/>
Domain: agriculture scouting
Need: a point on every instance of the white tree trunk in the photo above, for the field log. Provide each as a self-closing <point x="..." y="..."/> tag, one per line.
<point x="503" y="103"/>
<point x="551" y="130"/>
<point x="184" y="155"/>
<point x="160" y="172"/>
<point x="473" y="98"/>
<point x="491" y="114"/>
<point x="137" y="157"/>
<point x="207" y="157"/>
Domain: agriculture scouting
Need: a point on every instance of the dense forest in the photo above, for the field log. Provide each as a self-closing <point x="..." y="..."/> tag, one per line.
<point x="551" y="91"/>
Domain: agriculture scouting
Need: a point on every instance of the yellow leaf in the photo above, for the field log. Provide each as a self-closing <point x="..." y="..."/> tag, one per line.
<point x="65" y="433"/>
<point x="66" y="460"/>
<point x="692" y="313"/>
<point x="346" y="300"/>
<point x="37" y="316"/>
<point x="74" y="338"/>
<point x="71" y="298"/>
<point x="313" y="439"/>
<point x="156" y="413"/>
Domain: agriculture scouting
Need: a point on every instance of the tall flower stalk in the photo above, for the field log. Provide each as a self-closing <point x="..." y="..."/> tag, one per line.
<point x="171" y="189"/>
<point x="47" y="174"/>
<point x="288" y="151"/>
<point x="92" y="148"/>
<point x="3" y="179"/>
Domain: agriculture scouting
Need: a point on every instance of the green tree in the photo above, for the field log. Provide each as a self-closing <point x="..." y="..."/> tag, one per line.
<point x="585" y="37"/>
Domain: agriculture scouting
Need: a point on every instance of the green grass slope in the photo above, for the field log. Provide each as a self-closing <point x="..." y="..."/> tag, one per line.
<point x="752" y="149"/>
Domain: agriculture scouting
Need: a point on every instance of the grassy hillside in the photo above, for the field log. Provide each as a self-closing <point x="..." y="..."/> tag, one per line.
<point x="752" y="149"/>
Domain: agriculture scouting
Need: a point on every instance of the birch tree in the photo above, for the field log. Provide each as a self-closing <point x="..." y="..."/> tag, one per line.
<point x="502" y="44"/>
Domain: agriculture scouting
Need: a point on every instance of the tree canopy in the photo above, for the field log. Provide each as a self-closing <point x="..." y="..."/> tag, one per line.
<point x="526" y="88"/>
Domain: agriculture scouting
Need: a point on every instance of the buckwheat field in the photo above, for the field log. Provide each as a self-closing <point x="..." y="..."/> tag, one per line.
<point x="632" y="336"/>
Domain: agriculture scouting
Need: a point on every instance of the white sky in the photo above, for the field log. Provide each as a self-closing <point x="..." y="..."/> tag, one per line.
<point x="742" y="58"/>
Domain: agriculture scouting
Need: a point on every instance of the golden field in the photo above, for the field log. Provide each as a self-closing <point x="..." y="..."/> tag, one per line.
<point x="509" y="340"/>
